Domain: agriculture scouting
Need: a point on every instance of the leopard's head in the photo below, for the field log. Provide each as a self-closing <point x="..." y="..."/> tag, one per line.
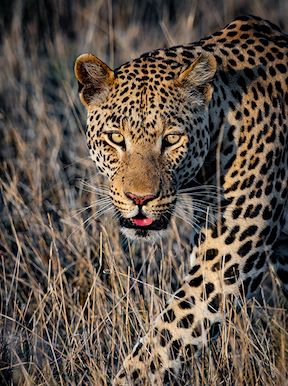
<point x="148" y="132"/>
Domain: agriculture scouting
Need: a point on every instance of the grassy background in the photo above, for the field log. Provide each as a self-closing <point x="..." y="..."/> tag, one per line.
<point x="72" y="300"/>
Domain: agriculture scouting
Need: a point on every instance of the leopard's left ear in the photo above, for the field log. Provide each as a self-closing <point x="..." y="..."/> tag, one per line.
<point x="95" y="79"/>
<point x="199" y="73"/>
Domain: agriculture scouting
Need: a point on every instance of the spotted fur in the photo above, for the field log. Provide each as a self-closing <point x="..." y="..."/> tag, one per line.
<point x="225" y="101"/>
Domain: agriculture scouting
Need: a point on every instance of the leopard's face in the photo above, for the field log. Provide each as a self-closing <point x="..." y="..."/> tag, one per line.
<point x="149" y="136"/>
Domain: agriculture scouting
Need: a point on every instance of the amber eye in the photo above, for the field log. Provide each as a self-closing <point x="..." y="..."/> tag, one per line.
<point x="171" y="140"/>
<point x="117" y="139"/>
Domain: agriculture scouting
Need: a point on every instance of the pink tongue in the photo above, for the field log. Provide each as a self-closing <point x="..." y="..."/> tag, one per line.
<point x="142" y="222"/>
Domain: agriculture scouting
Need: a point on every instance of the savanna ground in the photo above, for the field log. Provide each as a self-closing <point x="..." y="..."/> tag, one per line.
<point x="74" y="295"/>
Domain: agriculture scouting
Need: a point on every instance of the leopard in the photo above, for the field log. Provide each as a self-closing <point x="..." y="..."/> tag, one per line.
<point x="210" y="112"/>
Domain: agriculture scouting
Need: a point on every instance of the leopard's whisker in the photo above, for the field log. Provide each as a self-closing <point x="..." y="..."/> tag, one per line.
<point x="183" y="216"/>
<point x="195" y="210"/>
<point x="100" y="202"/>
<point x="98" y="189"/>
<point x="201" y="188"/>
<point x="103" y="210"/>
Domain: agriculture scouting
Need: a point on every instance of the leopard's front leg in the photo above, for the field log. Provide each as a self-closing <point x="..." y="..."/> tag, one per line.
<point x="195" y="313"/>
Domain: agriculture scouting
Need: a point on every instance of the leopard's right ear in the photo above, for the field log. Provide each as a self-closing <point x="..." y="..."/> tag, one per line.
<point x="94" y="78"/>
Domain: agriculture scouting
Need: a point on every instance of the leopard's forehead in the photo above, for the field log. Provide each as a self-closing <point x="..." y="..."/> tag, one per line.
<point x="151" y="74"/>
<point x="143" y="98"/>
<point x="159" y="65"/>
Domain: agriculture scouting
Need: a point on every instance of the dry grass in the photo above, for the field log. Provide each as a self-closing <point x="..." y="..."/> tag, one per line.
<point x="73" y="301"/>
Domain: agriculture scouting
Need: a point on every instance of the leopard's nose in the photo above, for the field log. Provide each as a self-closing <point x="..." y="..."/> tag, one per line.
<point x="141" y="200"/>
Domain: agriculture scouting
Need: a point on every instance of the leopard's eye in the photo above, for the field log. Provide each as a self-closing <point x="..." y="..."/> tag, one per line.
<point x="171" y="140"/>
<point x="117" y="139"/>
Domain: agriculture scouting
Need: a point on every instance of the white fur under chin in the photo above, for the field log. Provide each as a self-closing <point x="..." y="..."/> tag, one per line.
<point x="152" y="237"/>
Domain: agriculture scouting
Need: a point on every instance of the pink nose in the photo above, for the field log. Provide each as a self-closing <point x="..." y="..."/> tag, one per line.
<point x="140" y="200"/>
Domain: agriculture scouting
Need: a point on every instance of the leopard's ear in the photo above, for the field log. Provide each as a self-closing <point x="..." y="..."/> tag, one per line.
<point x="94" y="78"/>
<point x="199" y="73"/>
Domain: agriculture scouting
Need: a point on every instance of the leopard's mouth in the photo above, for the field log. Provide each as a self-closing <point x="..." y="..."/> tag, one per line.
<point x="144" y="223"/>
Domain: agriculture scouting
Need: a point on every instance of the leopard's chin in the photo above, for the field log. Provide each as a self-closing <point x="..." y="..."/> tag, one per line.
<point x="147" y="235"/>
